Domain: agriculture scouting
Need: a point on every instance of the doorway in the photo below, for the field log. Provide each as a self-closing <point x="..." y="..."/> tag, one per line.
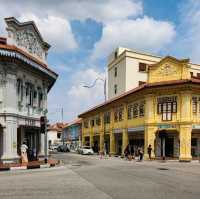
<point x="169" y="146"/>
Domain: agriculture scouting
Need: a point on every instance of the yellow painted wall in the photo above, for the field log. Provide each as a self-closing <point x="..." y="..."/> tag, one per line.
<point x="182" y="121"/>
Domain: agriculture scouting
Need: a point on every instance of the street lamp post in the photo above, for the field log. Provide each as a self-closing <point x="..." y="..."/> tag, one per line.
<point x="105" y="97"/>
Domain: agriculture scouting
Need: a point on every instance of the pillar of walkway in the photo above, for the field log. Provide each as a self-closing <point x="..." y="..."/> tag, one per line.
<point x="149" y="139"/>
<point x="112" y="143"/>
<point x="10" y="141"/>
<point x="185" y="131"/>
<point x="125" y="140"/>
<point x="101" y="142"/>
<point x="91" y="140"/>
<point x="185" y="135"/>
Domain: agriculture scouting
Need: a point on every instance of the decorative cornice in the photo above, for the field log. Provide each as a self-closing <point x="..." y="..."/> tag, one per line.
<point x="13" y="53"/>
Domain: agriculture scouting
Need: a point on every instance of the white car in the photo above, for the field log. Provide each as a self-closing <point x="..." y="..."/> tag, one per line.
<point x="85" y="150"/>
<point x="53" y="147"/>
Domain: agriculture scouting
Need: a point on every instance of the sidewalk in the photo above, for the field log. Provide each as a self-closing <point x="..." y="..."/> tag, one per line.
<point x="29" y="165"/>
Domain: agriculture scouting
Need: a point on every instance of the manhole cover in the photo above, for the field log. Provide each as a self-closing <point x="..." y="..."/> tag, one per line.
<point x="76" y="165"/>
<point x="164" y="169"/>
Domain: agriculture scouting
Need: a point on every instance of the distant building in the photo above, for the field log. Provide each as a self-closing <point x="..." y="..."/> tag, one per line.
<point x="55" y="133"/>
<point x="72" y="133"/>
<point x="25" y="80"/>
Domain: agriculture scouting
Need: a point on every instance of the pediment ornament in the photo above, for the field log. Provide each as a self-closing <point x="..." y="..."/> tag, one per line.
<point x="27" y="39"/>
<point x="167" y="70"/>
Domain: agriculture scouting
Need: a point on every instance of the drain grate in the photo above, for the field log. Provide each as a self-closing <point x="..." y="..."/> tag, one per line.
<point x="163" y="169"/>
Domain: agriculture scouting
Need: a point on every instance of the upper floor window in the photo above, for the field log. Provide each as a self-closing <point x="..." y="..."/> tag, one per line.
<point x="166" y="106"/>
<point x="115" y="71"/>
<point x="29" y="93"/>
<point x="141" y="109"/>
<point x="115" y="54"/>
<point x="92" y="122"/>
<point x="40" y="104"/>
<point x="115" y="88"/>
<point x="98" y="121"/>
<point x="85" y="124"/>
<point x="20" y="89"/>
<point x="58" y="135"/>
<point x="130" y="111"/>
<point x="194" y="104"/>
<point x="106" y="117"/>
<point x="118" y="114"/>
<point x="135" y="110"/>
<point x="142" y="67"/>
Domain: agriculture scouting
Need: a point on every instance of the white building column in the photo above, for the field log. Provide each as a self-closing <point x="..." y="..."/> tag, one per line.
<point x="10" y="141"/>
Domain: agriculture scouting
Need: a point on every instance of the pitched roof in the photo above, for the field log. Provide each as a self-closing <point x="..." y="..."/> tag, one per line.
<point x="139" y="88"/>
<point x="74" y="122"/>
<point x="56" y="127"/>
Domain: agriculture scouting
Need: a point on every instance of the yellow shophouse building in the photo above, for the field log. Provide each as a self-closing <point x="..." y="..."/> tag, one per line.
<point x="163" y="112"/>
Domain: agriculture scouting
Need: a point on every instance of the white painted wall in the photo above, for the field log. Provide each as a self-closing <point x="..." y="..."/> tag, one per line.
<point x="52" y="135"/>
<point x="127" y="64"/>
<point x="120" y="80"/>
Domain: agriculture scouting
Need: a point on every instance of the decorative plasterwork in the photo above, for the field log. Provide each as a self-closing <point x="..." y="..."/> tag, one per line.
<point x="27" y="39"/>
<point x="166" y="70"/>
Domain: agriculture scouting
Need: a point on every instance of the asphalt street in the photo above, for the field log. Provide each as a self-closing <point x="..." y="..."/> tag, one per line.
<point x="89" y="177"/>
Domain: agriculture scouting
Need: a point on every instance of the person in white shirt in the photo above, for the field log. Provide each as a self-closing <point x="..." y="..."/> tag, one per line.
<point x="24" y="157"/>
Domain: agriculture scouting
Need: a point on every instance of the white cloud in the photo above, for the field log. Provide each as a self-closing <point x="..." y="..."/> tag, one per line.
<point x="83" y="98"/>
<point x="57" y="31"/>
<point x="77" y="98"/>
<point x="140" y="34"/>
<point x="102" y="11"/>
<point x="53" y="17"/>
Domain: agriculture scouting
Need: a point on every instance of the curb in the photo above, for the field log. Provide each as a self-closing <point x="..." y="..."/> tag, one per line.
<point x="27" y="167"/>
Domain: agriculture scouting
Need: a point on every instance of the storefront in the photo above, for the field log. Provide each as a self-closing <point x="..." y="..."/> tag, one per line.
<point x="163" y="113"/>
<point x="32" y="137"/>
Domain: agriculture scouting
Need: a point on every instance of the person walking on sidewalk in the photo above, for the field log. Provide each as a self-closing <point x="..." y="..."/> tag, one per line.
<point x="140" y="152"/>
<point x="24" y="157"/>
<point x="149" y="149"/>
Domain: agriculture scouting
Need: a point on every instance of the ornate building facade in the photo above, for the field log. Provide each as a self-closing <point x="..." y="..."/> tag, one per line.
<point x="164" y="112"/>
<point x="25" y="81"/>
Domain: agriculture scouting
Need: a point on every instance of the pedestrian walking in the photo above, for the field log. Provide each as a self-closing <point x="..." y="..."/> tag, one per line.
<point x="140" y="151"/>
<point x="126" y="152"/>
<point x="149" y="149"/>
<point x="24" y="157"/>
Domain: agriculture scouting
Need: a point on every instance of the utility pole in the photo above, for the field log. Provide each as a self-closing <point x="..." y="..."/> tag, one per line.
<point x="62" y="124"/>
<point x="43" y="124"/>
<point x="105" y="98"/>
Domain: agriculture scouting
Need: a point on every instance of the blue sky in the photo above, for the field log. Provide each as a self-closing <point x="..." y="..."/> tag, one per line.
<point x="83" y="33"/>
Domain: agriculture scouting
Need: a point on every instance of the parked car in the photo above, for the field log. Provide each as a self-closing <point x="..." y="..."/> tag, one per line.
<point x="53" y="147"/>
<point x="63" y="148"/>
<point x="85" y="150"/>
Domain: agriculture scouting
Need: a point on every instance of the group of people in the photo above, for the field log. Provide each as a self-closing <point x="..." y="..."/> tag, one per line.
<point x="130" y="152"/>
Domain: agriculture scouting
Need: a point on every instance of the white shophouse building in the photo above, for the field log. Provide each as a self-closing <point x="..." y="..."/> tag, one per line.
<point x="25" y="81"/>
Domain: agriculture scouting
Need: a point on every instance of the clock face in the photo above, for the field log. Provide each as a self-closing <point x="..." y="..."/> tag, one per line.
<point x="28" y="40"/>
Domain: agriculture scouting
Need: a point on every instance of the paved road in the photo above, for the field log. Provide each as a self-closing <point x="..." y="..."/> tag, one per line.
<point x="88" y="177"/>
